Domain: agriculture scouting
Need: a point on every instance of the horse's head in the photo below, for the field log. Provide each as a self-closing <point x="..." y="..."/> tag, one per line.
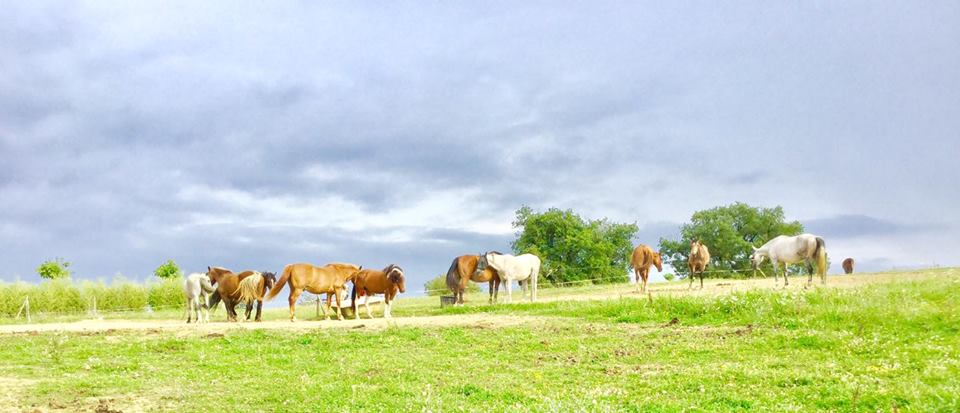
<point x="213" y="274"/>
<point x="756" y="258"/>
<point x="658" y="261"/>
<point x="395" y="274"/>
<point x="269" y="279"/>
<point x="481" y="263"/>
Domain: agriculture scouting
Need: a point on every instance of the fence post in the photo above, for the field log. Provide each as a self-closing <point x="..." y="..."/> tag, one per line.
<point x="26" y="302"/>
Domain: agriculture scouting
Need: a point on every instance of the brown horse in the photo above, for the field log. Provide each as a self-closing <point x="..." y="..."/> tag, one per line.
<point x="697" y="261"/>
<point x="388" y="282"/>
<point x="641" y="260"/>
<point x="227" y="284"/>
<point x="848" y="265"/>
<point x="330" y="279"/>
<point x="464" y="269"/>
<point x="253" y="288"/>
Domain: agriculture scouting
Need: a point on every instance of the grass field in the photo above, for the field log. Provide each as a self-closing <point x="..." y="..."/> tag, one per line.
<point x="885" y="342"/>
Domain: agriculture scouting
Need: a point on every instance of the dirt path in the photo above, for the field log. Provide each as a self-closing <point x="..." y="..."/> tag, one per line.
<point x="97" y="326"/>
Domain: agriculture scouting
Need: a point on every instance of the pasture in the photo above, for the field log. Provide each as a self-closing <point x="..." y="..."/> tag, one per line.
<point x="868" y="342"/>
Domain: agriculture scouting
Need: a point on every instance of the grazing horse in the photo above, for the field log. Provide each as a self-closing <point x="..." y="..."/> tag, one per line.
<point x="641" y="260"/>
<point x="330" y="279"/>
<point x="197" y="289"/>
<point x="524" y="268"/>
<point x="697" y="261"/>
<point x="848" y="265"/>
<point x="464" y="269"/>
<point x="806" y="248"/>
<point x="227" y="289"/>
<point x="253" y="288"/>
<point x="388" y="282"/>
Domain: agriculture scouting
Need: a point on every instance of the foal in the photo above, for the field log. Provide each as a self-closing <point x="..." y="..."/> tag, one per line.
<point x="388" y="282"/>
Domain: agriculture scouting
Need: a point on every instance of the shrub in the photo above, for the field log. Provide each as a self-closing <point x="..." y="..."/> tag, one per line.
<point x="669" y="276"/>
<point x="166" y="294"/>
<point x="168" y="269"/>
<point x="54" y="269"/>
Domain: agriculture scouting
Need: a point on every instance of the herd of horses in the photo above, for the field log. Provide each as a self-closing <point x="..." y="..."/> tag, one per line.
<point x="205" y="290"/>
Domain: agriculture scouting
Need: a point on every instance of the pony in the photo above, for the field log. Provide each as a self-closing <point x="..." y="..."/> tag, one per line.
<point x="196" y="290"/>
<point x="464" y="269"/>
<point x="388" y="282"/>
<point x="329" y="279"/>
<point x="807" y="248"/>
<point x="848" y="265"/>
<point x="641" y="260"/>
<point x="253" y="288"/>
<point x="228" y="285"/>
<point x="697" y="260"/>
<point x="524" y="268"/>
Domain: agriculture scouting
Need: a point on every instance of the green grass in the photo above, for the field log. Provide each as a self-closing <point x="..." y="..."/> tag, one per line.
<point x="881" y="347"/>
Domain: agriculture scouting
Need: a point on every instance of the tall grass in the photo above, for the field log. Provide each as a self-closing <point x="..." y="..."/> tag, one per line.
<point x="66" y="296"/>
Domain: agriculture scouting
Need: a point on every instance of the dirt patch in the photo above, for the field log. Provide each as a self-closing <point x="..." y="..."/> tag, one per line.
<point x="213" y="330"/>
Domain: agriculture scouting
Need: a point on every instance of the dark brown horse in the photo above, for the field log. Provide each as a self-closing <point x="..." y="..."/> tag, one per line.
<point x="388" y="282"/>
<point x="227" y="284"/>
<point x="254" y="288"/>
<point x="330" y="279"/>
<point x="464" y="269"/>
<point x="848" y="266"/>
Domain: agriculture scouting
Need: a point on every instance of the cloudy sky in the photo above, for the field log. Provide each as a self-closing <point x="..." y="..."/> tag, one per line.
<point x="252" y="135"/>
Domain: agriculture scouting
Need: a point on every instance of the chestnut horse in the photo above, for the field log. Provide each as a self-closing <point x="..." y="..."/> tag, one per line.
<point x="227" y="284"/>
<point x="388" y="282"/>
<point x="641" y="260"/>
<point x="697" y="261"/>
<point x="848" y="266"/>
<point x="330" y="279"/>
<point x="464" y="269"/>
<point x="253" y="288"/>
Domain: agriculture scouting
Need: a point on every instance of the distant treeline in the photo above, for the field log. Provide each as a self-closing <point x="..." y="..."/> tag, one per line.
<point x="65" y="296"/>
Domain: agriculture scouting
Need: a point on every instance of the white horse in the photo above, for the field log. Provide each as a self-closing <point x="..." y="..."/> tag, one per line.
<point x="197" y="289"/>
<point x="807" y="248"/>
<point x="524" y="268"/>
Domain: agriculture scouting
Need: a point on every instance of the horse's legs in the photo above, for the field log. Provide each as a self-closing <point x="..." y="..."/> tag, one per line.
<point x="339" y="305"/>
<point x="249" y="308"/>
<point x="636" y="276"/>
<point x="189" y="309"/>
<point x="366" y="304"/>
<point x="292" y="301"/>
<point x="259" y="309"/>
<point x="509" y="290"/>
<point x="644" y="273"/>
<point x="386" y="305"/>
<point x="786" y="272"/>
<point x="533" y="279"/>
<point x="496" y="289"/>
<point x="701" y="278"/>
<point x="490" y="290"/>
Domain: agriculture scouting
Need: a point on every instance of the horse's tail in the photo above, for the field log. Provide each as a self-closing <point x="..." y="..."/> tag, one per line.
<point x="821" y="256"/>
<point x="214" y="300"/>
<point x="248" y="288"/>
<point x="453" y="276"/>
<point x="280" y="283"/>
<point x="353" y="296"/>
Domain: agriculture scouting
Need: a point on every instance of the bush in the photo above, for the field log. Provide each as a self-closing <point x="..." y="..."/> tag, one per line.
<point x="54" y="269"/>
<point x="166" y="294"/>
<point x="438" y="286"/>
<point x="669" y="276"/>
<point x="167" y="270"/>
<point x="121" y="295"/>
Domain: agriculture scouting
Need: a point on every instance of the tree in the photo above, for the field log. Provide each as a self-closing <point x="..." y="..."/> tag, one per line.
<point x="574" y="249"/>
<point x="54" y="269"/>
<point x="729" y="232"/>
<point x="438" y="286"/>
<point x="168" y="269"/>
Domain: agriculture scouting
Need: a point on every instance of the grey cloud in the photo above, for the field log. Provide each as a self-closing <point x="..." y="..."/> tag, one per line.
<point x="849" y="226"/>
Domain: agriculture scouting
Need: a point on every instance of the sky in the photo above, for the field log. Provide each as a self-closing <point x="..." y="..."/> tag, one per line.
<point x="251" y="135"/>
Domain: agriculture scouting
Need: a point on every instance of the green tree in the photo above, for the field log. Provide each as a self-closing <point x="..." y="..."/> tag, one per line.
<point x="729" y="232"/>
<point x="54" y="269"/>
<point x="438" y="286"/>
<point x="574" y="249"/>
<point x="168" y="269"/>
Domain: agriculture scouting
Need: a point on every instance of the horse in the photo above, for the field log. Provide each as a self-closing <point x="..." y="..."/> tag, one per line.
<point x="807" y="248"/>
<point x="848" y="266"/>
<point x="641" y="260"/>
<point x="464" y="269"/>
<point x="388" y="282"/>
<point x="227" y="288"/>
<point x="253" y="288"/>
<point x="697" y="260"/>
<point x="524" y="268"/>
<point x="196" y="290"/>
<point x="329" y="279"/>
